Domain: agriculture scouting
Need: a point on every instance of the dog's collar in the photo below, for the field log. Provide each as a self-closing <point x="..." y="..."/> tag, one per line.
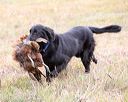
<point x="46" y="46"/>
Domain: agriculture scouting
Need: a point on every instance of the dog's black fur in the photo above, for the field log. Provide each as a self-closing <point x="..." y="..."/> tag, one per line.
<point x="78" y="41"/>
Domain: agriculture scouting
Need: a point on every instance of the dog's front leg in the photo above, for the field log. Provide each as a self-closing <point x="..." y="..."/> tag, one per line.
<point x="54" y="73"/>
<point x="47" y="76"/>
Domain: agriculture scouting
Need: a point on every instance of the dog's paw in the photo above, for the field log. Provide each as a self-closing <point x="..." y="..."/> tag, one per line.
<point x="95" y="61"/>
<point x="54" y="73"/>
<point x="87" y="71"/>
<point x="48" y="79"/>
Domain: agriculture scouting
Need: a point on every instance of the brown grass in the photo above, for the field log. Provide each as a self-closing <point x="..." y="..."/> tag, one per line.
<point x="106" y="82"/>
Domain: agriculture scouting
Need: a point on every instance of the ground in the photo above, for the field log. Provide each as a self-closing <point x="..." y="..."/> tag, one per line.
<point x="106" y="82"/>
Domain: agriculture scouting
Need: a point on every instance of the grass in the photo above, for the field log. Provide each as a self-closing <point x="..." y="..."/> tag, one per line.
<point x="106" y="82"/>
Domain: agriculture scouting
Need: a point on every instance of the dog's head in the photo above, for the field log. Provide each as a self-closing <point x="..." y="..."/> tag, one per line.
<point x="41" y="33"/>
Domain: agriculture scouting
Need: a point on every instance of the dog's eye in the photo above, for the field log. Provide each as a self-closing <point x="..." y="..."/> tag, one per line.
<point x="35" y="31"/>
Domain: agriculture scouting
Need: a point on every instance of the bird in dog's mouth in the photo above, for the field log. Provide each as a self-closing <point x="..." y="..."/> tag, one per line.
<point x="28" y="55"/>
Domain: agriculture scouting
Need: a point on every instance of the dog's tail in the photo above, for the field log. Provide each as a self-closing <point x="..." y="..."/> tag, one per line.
<point x="108" y="29"/>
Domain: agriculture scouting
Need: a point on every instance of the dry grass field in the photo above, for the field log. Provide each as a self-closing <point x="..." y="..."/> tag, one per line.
<point x="106" y="82"/>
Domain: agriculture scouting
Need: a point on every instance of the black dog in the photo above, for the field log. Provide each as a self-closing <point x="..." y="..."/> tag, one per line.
<point x="58" y="49"/>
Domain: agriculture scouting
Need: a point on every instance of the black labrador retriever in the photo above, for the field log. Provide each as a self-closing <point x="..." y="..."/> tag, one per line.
<point x="58" y="49"/>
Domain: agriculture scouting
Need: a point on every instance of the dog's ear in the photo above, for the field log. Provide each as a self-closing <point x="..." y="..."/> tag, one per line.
<point x="50" y="33"/>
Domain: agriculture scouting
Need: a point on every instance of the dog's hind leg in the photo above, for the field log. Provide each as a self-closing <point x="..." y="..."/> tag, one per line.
<point x="86" y="59"/>
<point x="87" y="56"/>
